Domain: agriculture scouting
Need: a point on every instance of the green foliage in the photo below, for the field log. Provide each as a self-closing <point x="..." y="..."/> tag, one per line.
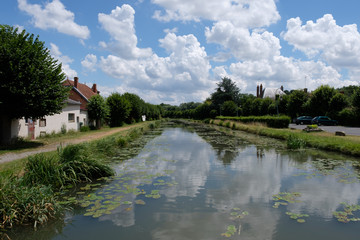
<point x="97" y="109"/>
<point x="356" y="100"/>
<point x="320" y="100"/>
<point x="226" y="91"/>
<point x="20" y="204"/>
<point x="296" y="103"/>
<point x="122" y="142"/>
<point x="120" y="109"/>
<point x="63" y="129"/>
<point x="84" y="129"/>
<point x="137" y="107"/>
<point x="294" y="142"/>
<point x="229" y="108"/>
<point x="30" y="79"/>
<point x="273" y="122"/>
<point x="73" y="164"/>
<point x="349" y="117"/>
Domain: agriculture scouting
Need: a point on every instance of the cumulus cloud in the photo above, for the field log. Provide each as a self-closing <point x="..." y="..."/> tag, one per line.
<point x="339" y="46"/>
<point x="54" y="15"/>
<point x="65" y="60"/>
<point x="90" y="62"/>
<point x="185" y="70"/>
<point x="242" y="13"/>
<point x="120" y="25"/>
<point x="243" y="44"/>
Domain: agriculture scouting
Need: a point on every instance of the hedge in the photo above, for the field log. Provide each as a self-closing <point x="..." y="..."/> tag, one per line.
<point x="270" y="121"/>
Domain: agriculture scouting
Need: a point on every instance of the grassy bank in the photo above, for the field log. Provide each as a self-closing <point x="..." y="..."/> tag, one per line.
<point x="28" y="194"/>
<point x="321" y="140"/>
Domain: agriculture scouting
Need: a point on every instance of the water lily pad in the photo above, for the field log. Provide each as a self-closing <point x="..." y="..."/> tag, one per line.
<point x="140" y="202"/>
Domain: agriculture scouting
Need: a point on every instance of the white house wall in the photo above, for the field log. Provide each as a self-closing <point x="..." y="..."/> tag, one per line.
<point x="53" y="123"/>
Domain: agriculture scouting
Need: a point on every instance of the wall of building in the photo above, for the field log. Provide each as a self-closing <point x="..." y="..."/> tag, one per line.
<point x="53" y="124"/>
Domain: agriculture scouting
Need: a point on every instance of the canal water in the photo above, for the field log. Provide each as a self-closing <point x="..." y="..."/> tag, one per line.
<point x="192" y="182"/>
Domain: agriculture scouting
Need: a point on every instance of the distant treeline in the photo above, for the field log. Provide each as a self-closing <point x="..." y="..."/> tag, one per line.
<point x="342" y="104"/>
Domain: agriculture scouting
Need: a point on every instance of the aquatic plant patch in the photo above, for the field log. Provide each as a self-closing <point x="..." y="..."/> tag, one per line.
<point x="347" y="214"/>
<point x="236" y="215"/>
<point x="284" y="198"/>
<point x="297" y="216"/>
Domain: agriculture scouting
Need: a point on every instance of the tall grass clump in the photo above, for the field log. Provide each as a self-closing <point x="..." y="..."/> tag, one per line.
<point x="72" y="164"/>
<point x="294" y="142"/>
<point x="21" y="204"/>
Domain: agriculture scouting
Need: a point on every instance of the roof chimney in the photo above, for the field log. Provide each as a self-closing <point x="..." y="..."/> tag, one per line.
<point x="94" y="88"/>
<point x="282" y="88"/>
<point x="261" y="91"/>
<point x="257" y="91"/>
<point x="76" y="81"/>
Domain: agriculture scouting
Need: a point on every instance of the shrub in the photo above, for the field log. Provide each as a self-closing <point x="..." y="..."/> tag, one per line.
<point x="273" y="122"/>
<point x="122" y="141"/>
<point x="294" y="142"/>
<point x="206" y="121"/>
<point x="63" y="129"/>
<point x="227" y="124"/>
<point x="221" y="123"/>
<point x="20" y="204"/>
<point x="84" y="129"/>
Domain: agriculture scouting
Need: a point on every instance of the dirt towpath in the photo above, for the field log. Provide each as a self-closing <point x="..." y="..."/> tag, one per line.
<point x="52" y="147"/>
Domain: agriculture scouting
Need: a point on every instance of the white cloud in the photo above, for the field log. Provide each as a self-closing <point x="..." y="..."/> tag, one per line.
<point x="90" y="62"/>
<point x="242" y="13"/>
<point x="54" y="15"/>
<point x="65" y="60"/>
<point x="339" y="46"/>
<point x="120" y="25"/>
<point x="185" y="72"/>
<point x="242" y="44"/>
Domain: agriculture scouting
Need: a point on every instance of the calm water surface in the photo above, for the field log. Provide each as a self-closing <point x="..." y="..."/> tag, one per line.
<point x="201" y="184"/>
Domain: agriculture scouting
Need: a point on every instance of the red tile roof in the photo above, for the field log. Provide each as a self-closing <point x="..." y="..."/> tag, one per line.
<point x="86" y="91"/>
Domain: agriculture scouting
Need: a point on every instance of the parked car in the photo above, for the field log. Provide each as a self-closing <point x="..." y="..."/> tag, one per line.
<point x="303" y="120"/>
<point x="323" y="120"/>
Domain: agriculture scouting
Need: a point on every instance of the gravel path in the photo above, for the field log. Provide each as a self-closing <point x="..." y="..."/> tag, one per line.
<point x="8" y="157"/>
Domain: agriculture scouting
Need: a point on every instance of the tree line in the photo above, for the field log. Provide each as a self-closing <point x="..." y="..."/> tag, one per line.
<point x="118" y="109"/>
<point x="342" y="104"/>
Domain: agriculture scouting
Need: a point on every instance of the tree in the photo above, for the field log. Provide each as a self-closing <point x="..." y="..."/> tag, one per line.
<point x="229" y="108"/>
<point x="97" y="109"/>
<point x="137" y="107"/>
<point x="296" y="103"/>
<point x="226" y="91"/>
<point x="119" y="107"/>
<point x="320" y="100"/>
<point x="337" y="103"/>
<point x="30" y="79"/>
<point x="356" y="100"/>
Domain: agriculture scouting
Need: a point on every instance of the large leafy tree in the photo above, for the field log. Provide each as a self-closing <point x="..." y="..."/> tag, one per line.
<point x="120" y="108"/>
<point x="296" y="103"/>
<point x="30" y="79"/>
<point x="320" y="100"/>
<point x="226" y="91"/>
<point x="137" y="107"/>
<point x="97" y="109"/>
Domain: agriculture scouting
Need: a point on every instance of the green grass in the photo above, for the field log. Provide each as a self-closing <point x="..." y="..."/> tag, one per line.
<point x="28" y="186"/>
<point x="321" y="140"/>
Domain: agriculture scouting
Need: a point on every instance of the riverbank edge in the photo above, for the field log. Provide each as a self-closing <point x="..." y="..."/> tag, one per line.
<point x="16" y="177"/>
<point x="349" y="145"/>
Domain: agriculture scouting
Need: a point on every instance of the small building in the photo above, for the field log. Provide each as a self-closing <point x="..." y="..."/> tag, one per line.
<point x="269" y="92"/>
<point x="73" y="116"/>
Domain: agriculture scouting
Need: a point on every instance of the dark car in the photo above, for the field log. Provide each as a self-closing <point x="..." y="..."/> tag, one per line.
<point x="323" y="120"/>
<point x="303" y="120"/>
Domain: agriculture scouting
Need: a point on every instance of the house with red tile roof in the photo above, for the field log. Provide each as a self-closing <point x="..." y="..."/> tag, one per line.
<point x="73" y="116"/>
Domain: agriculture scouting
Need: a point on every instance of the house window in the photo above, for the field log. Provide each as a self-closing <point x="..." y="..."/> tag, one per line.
<point x="71" y="117"/>
<point x="42" y="122"/>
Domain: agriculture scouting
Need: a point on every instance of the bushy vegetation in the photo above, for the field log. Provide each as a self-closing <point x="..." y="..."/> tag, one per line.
<point x="321" y="140"/>
<point x="341" y="104"/>
<point x="118" y="109"/>
<point x="31" y="198"/>
<point x="270" y="121"/>
<point x="23" y="204"/>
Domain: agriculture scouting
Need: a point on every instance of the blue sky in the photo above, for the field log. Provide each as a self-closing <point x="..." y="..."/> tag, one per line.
<point x="170" y="51"/>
